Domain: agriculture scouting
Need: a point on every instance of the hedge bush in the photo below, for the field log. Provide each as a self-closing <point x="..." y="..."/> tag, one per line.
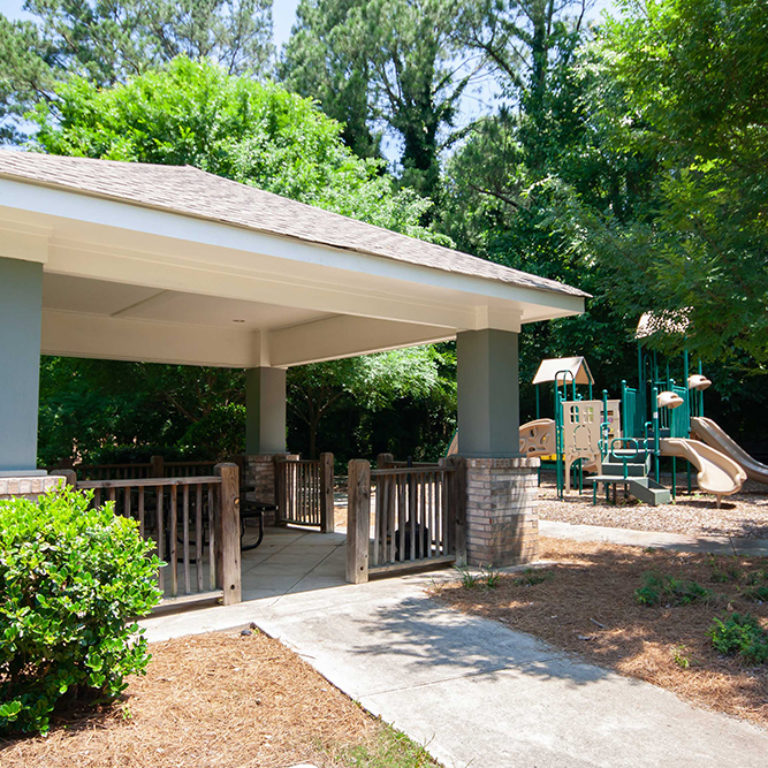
<point x="72" y="578"/>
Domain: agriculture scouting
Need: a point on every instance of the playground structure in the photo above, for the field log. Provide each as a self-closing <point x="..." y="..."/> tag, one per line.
<point x="623" y="441"/>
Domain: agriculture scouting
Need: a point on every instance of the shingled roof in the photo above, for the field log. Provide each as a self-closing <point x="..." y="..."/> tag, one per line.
<point x="191" y="192"/>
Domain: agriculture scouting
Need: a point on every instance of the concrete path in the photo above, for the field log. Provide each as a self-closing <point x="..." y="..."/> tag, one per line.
<point x="477" y="693"/>
<point x="725" y="545"/>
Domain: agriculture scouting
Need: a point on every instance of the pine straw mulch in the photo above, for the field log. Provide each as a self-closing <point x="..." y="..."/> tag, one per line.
<point x="220" y="699"/>
<point x="593" y="584"/>
<point x="744" y="514"/>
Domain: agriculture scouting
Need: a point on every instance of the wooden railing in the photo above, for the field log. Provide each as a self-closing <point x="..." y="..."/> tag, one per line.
<point x="418" y="516"/>
<point x="157" y="466"/>
<point x="388" y="461"/>
<point x="195" y="524"/>
<point x="304" y="491"/>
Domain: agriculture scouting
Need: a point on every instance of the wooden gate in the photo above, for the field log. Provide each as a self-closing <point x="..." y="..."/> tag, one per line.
<point x="400" y="519"/>
<point x="304" y="491"/>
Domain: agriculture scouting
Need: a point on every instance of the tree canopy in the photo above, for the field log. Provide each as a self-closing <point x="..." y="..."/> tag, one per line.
<point x="627" y="155"/>
<point x="695" y="78"/>
<point x="396" y="62"/>
<point x="107" y="41"/>
<point x="193" y="112"/>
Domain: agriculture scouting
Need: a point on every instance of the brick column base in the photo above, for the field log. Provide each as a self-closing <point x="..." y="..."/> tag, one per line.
<point x="502" y="524"/>
<point x="30" y="487"/>
<point x="260" y="473"/>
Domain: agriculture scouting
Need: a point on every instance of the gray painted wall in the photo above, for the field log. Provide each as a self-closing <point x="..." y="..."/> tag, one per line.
<point x="21" y="291"/>
<point x="265" y="411"/>
<point x="488" y="394"/>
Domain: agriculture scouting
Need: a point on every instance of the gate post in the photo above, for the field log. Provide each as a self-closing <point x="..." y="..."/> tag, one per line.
<point x="459" y="504"/>
<point x="228" y="533"/>
<point x="157" y="466"/>
<point x="358" y="521"/>
<point x="327" y="522"/>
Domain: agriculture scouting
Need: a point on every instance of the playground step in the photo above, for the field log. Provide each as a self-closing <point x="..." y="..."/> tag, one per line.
<point x="649" y="491"/>
<point x="642" y="488"/>
<point x="634" y="468"/>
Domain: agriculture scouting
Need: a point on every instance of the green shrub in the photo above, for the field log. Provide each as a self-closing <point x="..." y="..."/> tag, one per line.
<point x="533" y="576"/>
<point x="740" y="634"/>
<point x="72" y="578"/>
<point x="758" y="594"/>
<point x="658" y="588"/>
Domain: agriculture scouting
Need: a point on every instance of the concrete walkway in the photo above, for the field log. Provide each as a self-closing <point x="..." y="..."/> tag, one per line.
<point x="724" y="545"/>
<point x="474" y="691"/>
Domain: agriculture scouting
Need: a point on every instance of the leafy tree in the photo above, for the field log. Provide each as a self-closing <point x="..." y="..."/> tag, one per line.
<point x="194" y="113"/>
<point x="374" y="383"/>
<point x="514" y="194"/>
<point x="696" y="77"/>
<point x="323" y="61"/>
<point x="395" y="61"/>
<point x="102" y="411"/>
<point x="107" y="41"/>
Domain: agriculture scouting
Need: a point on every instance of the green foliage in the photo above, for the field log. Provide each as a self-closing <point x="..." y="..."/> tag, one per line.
<point x="108" y="41"/>
<point x="194" y="113"/>
<point x="72" y="579"/>
<point x="469" y="580"/>
<point x="659" y="589"/>
<point x="758" y="594"/>
<point x="491" y="576"/>
<point x="377" y="386"/>
<point x="740" y="634"/>
<point x="694" y="74"/>
<point x="393" y="61"/>
<point x="724" y="571"/>
<point x="533" y="576"/>
<point x="680" y="657"/>
<point x="102" y="411"/>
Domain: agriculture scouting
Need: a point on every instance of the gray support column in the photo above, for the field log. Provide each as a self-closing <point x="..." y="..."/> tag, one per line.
<point x="21" y="291"/>
<point x="502" y="525"/>
<point x="488" y="394"/>
<point x="265" y="411"/>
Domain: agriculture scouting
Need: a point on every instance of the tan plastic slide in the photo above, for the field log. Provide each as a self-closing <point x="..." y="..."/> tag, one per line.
<point x="717" y="473"/>
<point x="711" y="433"/>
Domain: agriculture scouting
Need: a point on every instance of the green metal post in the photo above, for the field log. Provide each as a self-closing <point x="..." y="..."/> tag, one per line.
<point x="656" y="446"/>
<point x="687" y="389"/>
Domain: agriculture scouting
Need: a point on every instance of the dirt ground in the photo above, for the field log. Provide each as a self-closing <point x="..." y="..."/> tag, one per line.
<point x="222" y="700"/>
<point x="585" y="604"/>
<point x="741" y="515"/>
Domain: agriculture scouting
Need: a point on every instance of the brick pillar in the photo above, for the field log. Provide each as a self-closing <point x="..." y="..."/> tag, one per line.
<point x="260" y="474"/>
<point x="502" y="523"/>
<point x="28" y="487"/>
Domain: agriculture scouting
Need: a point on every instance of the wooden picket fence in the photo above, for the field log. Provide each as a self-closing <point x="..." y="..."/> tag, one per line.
<point x="405" y="518"/>
<point x="194" y="523"/>
<point x="304" y="491"/>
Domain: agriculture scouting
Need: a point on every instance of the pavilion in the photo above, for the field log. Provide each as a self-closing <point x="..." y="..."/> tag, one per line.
<point x="128" y="261"/>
